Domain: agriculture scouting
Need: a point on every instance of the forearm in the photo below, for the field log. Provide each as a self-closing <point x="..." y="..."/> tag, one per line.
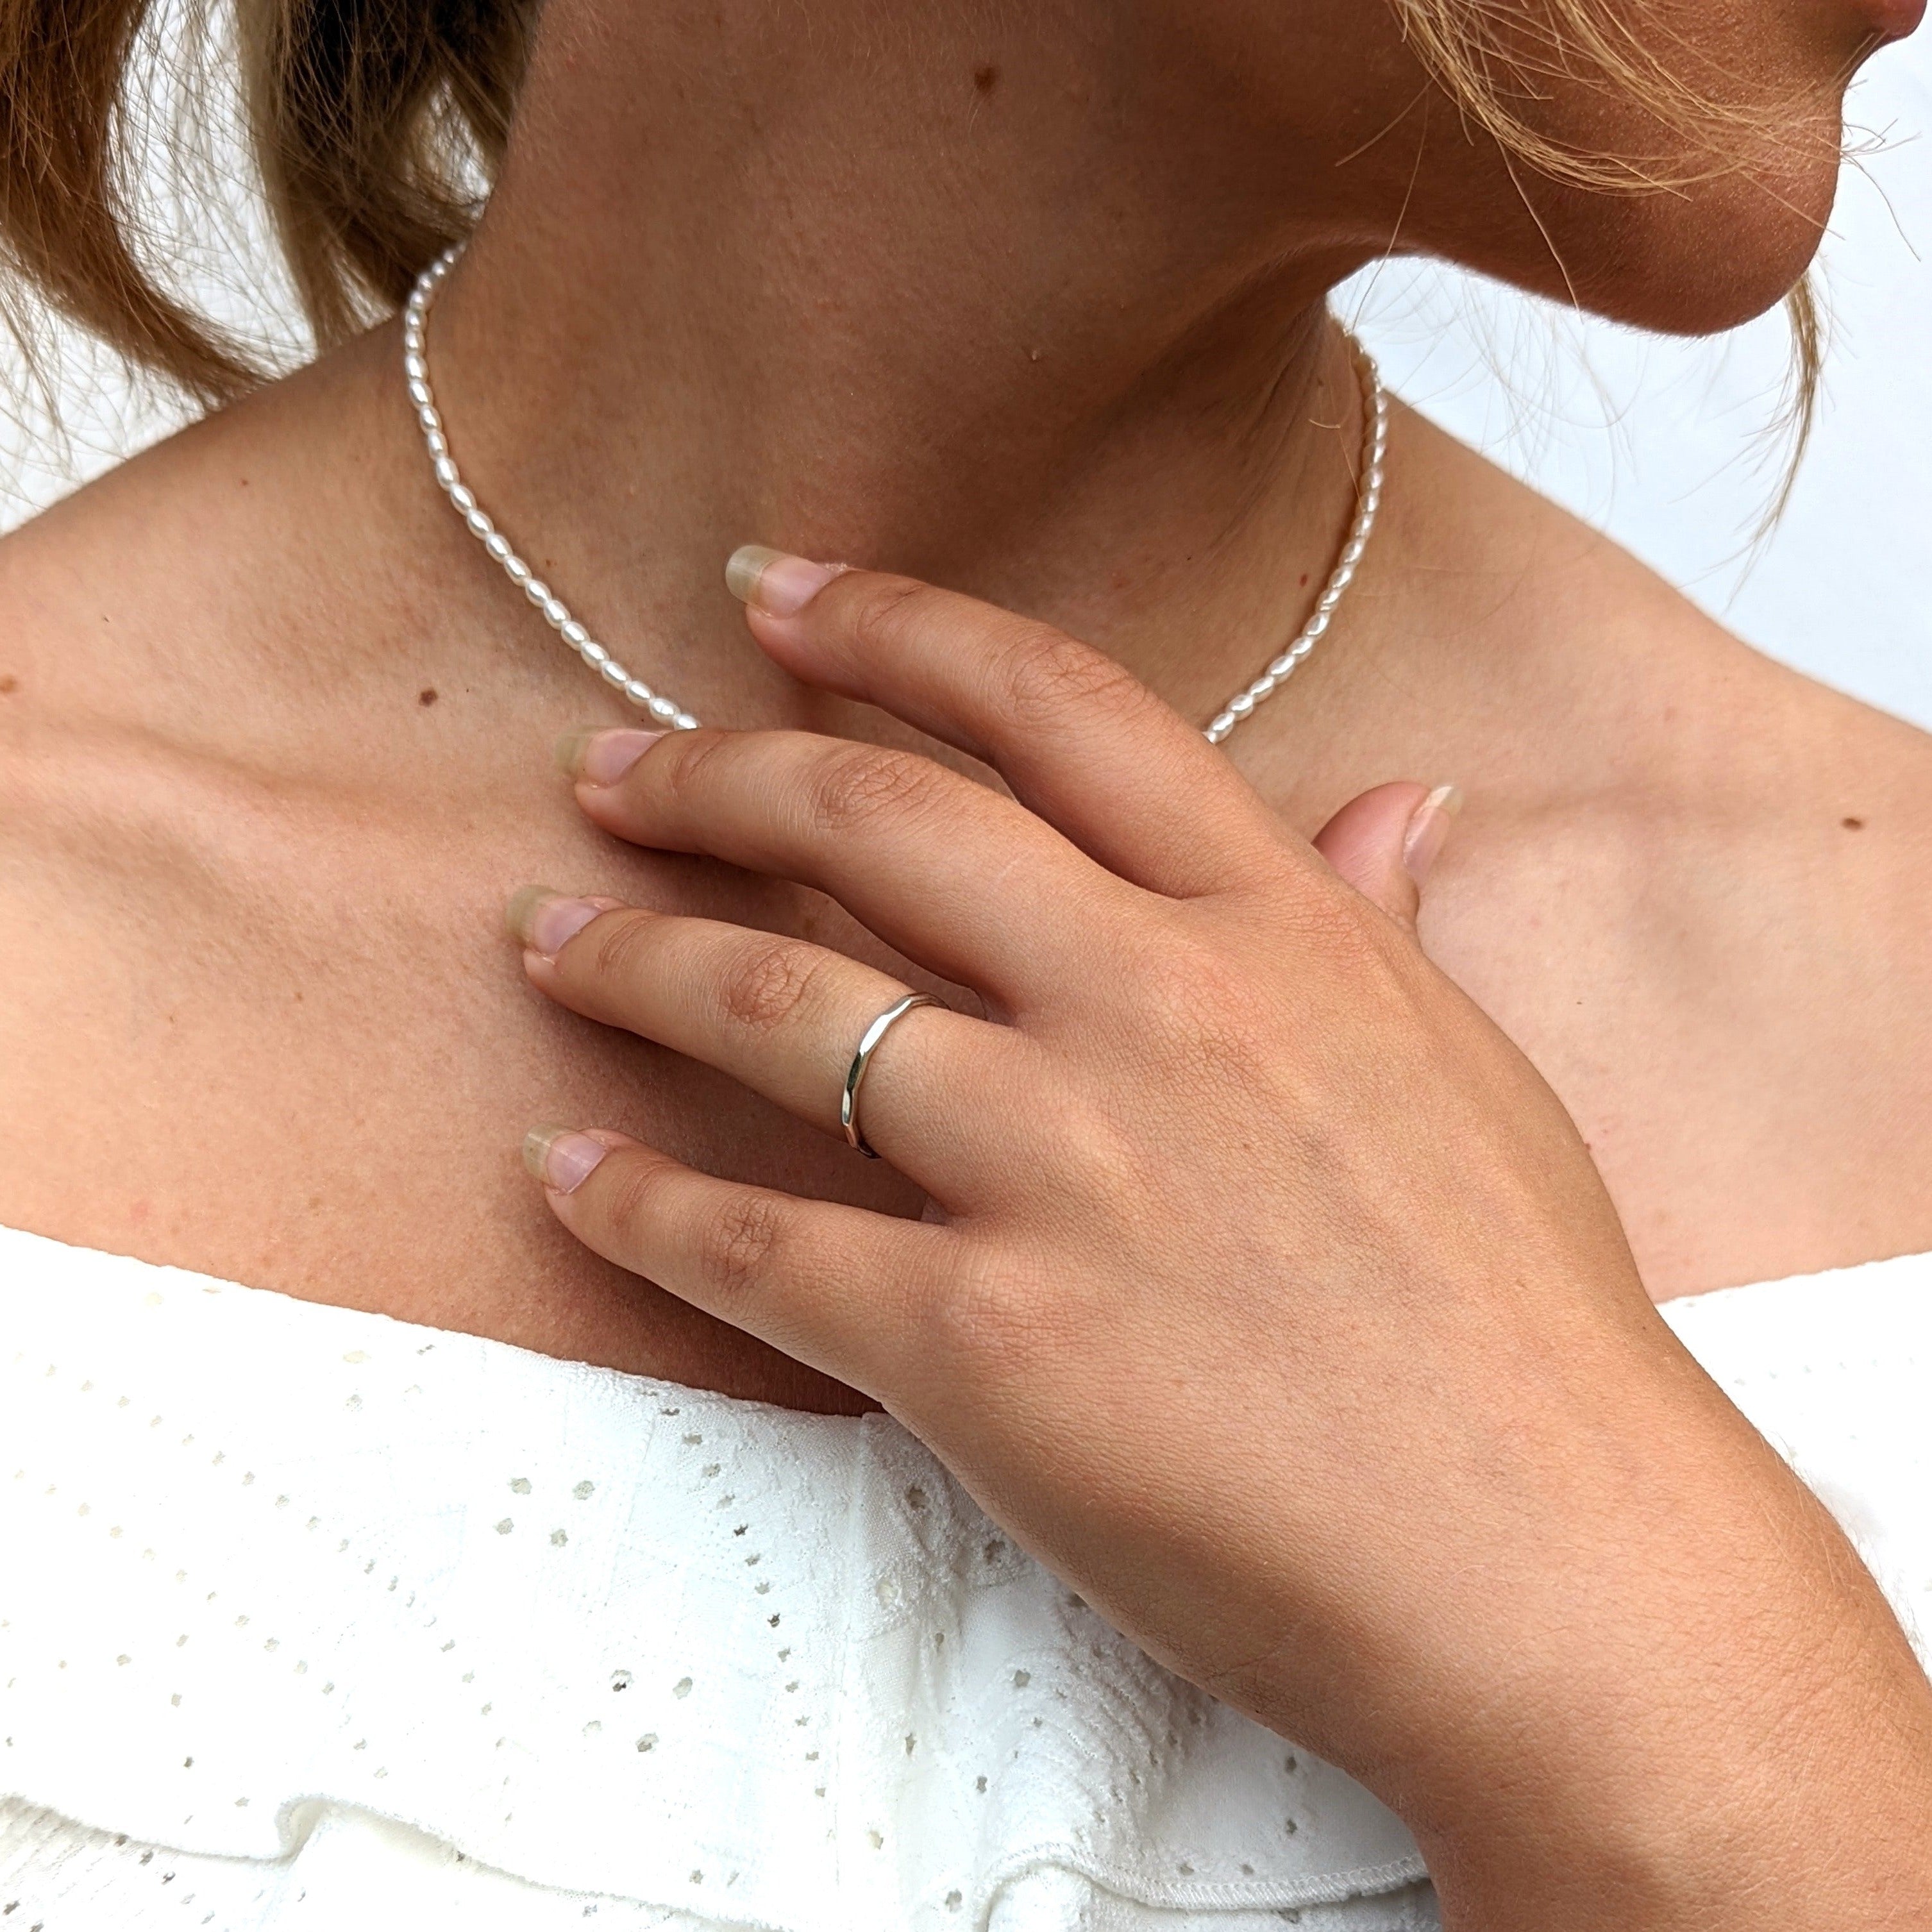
<point x="1686" y="1705"/>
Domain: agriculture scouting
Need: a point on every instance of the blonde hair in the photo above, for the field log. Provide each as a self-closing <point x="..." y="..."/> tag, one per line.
<point x="1492" y="59"/>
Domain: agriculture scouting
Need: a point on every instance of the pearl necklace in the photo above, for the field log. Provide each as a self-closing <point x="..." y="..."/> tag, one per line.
<point x="667" y="711"/>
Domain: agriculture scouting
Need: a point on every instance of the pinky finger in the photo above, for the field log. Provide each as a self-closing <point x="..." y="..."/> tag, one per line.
<point x="826" y="1284"/>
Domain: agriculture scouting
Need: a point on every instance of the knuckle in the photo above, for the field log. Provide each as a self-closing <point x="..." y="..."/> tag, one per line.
<point x="888" y="613"/>
<point x="768" y="982"/>
<point x="693" y="767"/>
<point x="1000" y="1322"/>
<point x="621" y="941"/>
<point x="771" y="982"/>
<point x="739" y="1240"/>
<point x="636" y="1191"/>
<point x="1191" y="990"/>
<point x="857" y="786"/>
<point x="1044" y="675"/>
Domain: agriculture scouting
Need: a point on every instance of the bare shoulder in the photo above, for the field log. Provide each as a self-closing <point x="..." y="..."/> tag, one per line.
<point x="1719" y="950"/>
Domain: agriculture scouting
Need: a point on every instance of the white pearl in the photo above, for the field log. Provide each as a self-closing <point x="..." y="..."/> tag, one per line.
<point x="416" y="370"/>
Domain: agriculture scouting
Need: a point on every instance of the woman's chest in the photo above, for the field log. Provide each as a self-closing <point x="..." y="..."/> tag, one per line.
<point x="304" y="1057"/>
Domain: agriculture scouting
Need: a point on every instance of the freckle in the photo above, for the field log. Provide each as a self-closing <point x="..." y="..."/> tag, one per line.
<point x="986" y="77"/>
<point x="426" y="697"/>
<point x="1852" y="824"/>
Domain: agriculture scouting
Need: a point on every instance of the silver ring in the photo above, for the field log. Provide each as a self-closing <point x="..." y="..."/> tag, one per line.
<point x="855" y="1074"/>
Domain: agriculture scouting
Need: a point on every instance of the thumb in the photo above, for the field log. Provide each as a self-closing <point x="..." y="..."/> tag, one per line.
<point x="1384" y="841"/>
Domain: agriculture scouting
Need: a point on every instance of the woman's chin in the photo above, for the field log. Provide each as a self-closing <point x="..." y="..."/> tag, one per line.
<point x="1701" y="265"/>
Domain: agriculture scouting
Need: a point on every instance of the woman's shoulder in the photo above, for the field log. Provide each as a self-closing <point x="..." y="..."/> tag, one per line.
<point x="1728" y="927"/>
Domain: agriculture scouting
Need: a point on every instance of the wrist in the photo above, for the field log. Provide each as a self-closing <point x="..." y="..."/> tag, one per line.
<point x="1681" y="1703"/>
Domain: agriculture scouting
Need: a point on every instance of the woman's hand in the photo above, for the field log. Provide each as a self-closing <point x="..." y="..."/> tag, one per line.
<point x="1267" y="1293"/>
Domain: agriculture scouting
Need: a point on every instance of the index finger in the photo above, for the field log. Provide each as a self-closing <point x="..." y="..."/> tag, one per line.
<point x="1077" y="738"/>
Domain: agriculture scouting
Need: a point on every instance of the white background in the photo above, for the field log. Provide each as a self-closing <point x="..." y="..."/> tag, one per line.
<point x="1664" y="443"/>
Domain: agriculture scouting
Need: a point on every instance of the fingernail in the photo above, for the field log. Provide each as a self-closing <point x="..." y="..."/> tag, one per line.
<point x="1428" y="831"/>
<point x="599" y="756"/>
<point x="561" y="1157"/>
<point x="544" y="919"/>
<point x="771" y="581"/>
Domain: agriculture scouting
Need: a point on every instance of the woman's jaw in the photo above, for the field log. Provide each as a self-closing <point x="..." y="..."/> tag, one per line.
<point x="1036" y="309"/>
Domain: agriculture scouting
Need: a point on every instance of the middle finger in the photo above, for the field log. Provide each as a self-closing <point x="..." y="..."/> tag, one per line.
<point x="946" y="871"/>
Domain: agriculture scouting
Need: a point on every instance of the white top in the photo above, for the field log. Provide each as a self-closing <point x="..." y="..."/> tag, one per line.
<point x="312" y="1618"/>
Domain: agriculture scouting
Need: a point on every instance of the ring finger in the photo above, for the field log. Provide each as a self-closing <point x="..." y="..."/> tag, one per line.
<point x="781" y="1015"/>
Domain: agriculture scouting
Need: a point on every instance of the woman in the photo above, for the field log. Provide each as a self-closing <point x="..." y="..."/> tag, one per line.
<point x="1221" y="1248"/>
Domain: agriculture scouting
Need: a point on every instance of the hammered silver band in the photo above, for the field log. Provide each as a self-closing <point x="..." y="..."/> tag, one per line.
<point x="855" y="1074"/>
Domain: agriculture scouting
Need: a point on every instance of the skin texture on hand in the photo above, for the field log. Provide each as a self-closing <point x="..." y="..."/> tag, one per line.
<point x="1266" y="1292"/>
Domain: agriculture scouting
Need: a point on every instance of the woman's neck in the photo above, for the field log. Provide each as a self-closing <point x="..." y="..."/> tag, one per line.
<point x="956" y="308"/>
